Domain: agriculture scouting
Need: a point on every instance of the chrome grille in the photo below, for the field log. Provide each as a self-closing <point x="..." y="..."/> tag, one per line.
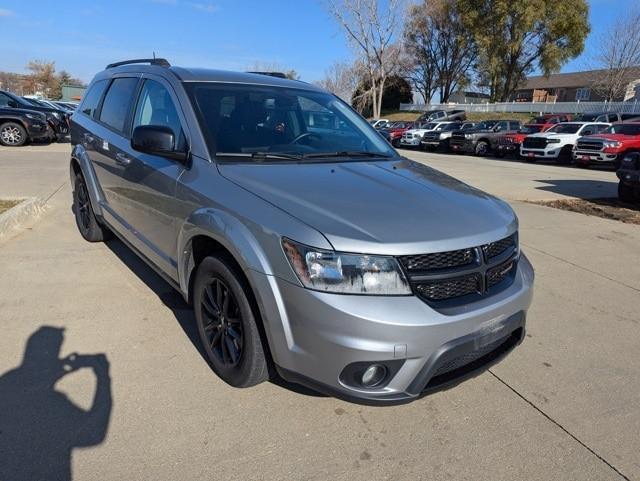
<point x="450" y="288"/>
<point x="439" y="260"/>
<point x="594" y="145"/>
<point x="534" y="143"/>
<point x="457" y="138"/>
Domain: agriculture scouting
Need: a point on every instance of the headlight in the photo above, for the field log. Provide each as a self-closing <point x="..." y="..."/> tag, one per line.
<point x="56" y="115"/>
<point x="342" y="273"/>
<point x="553" y="141"/>
<point x="468" y="136"/>
<point x="612" y="144"/>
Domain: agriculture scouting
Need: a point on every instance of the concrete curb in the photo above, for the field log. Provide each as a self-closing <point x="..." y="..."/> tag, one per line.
<point x="29" y="209"/>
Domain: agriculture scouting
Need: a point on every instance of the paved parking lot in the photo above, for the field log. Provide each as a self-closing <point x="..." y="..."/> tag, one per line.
<point x="565" y="405"/>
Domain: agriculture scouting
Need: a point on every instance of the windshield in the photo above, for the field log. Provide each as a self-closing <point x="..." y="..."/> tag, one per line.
<point x="427" y="126"/>
<point x="33" y="102"/>
<point x="486" y="125"/>
<point x="249" y="119"/>
<point x="624" y="129"/>
<point x="565" y="128"/>
<point x="530" y="129"/>
<point x="589" y="117"/>
<point x="449" y="127"/>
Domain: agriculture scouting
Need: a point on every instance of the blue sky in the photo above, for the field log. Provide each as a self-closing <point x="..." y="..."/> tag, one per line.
<point x="83" y="36"/>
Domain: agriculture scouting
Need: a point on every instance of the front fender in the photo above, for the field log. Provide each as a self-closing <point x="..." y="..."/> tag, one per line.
<point x="80" y="156"/>
<point x="228" y="231"/>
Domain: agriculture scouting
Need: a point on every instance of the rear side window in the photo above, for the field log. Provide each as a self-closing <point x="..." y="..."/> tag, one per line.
<point x="117" y="101"/>
<point x="92" y="98"/>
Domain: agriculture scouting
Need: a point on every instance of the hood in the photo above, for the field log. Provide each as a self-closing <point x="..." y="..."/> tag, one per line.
<point x="389" y="207"/>
<point x="611" y="137"/>
<point x="21" y="111"/>
<point x="552" y="135"/>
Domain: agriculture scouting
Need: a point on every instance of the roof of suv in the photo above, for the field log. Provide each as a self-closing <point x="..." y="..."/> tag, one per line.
<point x="210" y="75"/>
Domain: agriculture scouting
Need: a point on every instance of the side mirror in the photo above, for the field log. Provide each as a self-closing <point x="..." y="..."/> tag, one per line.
<point x="497" y="128"/>
<point x="157" y="140"/>
<point x="13" y="104"/>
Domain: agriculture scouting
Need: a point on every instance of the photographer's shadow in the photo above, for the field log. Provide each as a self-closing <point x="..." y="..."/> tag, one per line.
<point x="40" y="426"/>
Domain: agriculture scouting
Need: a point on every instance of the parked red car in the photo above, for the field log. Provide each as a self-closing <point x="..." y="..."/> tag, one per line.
<point x="609" y="147"/>
<point x="509" y="144"/>
<point x="549" y="120"/>
<point x="394" y="130"/>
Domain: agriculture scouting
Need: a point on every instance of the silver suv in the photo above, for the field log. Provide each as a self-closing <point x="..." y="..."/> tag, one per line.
<point x="306" y="245"/>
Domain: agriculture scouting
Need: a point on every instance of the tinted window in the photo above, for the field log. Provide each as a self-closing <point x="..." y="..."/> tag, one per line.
<point x="613" y="118"/>
<point x="117" y="101"/>
<point x="243" y="119"/>
<point x="155" y="107"/>
<point x="92" y="98"/>
<point x="4" y="100"/>
<point x="624" y="129"/>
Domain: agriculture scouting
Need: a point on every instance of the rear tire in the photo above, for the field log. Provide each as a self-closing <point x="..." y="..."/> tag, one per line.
<point x="626" y="193"/>
<point x="90" y="228"/>
<point x="12" y="134"/>
<point x="227" y="323"/>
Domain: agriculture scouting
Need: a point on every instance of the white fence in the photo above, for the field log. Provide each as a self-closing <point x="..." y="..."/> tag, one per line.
<point x="533" y="107"/>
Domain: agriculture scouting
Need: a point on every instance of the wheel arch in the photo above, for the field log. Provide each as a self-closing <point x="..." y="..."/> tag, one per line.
<point x="81" y="164"/>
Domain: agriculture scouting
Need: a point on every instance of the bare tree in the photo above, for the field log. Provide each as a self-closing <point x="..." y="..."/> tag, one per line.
<point x="619" y="56"/>
<point x="371" y="26"/>
<point x="342" y="79"/>
<point x="43" y="75"/>
<point x="443" y="50"/>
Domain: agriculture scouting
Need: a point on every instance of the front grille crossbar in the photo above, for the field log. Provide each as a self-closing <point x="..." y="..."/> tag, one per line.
<point x="457" y="276"/>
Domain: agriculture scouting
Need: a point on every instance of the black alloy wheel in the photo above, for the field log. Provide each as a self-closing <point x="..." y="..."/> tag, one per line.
<point x="222" y="323"/>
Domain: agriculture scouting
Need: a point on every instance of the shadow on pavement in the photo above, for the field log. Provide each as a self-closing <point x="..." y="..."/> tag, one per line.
<point x="181" y="310"/>
<point x="40" y="426"/>
<point x="581" y="189"/>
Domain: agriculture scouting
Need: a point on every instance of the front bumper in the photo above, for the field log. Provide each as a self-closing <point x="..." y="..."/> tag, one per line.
<point x="409" y="142"/>
<point x="552" y="153"/>
<point x="314" y="336"/>
<point x="583" y="156"/>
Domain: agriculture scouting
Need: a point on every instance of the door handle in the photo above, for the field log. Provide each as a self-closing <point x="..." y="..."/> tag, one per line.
<point x="88" y="139"/>
<point x="122" y="159"/>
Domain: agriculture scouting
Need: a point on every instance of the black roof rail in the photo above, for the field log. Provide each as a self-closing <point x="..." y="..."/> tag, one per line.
<point x="271" y="74"/>
<point x="162" y="62"/>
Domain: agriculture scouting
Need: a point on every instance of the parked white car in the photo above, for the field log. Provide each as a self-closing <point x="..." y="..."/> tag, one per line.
<point x="557" y="143"/>
<point x="378" y="123"/>
<point x="413" y="137"/>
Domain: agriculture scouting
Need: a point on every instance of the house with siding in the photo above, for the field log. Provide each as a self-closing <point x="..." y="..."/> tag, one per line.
<point x="575" y="86"/>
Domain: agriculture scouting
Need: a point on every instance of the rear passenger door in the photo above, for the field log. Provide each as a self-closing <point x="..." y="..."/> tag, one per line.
<point x="108" y="144"/>
<point x="148" y="182"/>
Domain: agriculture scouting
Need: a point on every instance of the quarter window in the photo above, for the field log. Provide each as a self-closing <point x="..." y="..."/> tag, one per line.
<point x="117" y="101"/>
<point x="155" y="107"/>
<point x="4" y="100"/>
<point x="92" y="98"/>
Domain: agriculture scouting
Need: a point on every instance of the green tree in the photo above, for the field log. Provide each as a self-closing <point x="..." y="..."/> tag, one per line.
<point x="63" y="78"/>
<point x="515" y="38"/>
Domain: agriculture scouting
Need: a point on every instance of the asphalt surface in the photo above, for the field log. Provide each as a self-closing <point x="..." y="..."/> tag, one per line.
<point x="565" y="405"/>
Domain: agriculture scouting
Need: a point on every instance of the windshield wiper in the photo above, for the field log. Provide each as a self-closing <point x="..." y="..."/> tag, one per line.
<point x="345" y="153"/>
<point x="260" y="156"/>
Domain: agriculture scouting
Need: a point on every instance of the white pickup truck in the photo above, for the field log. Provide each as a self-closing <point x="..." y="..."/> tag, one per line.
<point x="557" y="143"/>
<point x="412" y="137"/>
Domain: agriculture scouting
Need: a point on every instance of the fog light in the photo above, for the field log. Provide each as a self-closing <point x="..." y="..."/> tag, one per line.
<point x="374" y="375"/>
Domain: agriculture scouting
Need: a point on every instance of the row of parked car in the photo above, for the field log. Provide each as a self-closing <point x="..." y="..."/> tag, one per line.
<point x="594" y="138"/>
<point x="25" y="119"/>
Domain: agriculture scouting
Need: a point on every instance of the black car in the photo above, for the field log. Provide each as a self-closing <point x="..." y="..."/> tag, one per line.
<point x="629" y="175"/>
<point x="18" y="126"/>
<point x="57" y="119"/>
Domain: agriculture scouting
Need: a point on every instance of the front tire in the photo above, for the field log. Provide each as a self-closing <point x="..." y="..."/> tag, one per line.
<point x="12" y="134"/>
<point x="90" y="228"/>
<point x="482" y="148"/>
<point x="626" y="193"/>
<point x="565" y="156"/>
<point x="227" y="324"/>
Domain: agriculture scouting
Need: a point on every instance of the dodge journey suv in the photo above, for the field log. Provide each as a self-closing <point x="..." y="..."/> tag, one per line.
<point x="308" y="248"/>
